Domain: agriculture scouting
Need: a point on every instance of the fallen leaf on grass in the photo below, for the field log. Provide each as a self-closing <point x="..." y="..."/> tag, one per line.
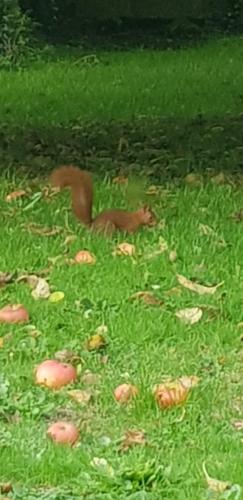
<point x="95" y="342"/>
<point x="66" y="356"/>
<point x="120" y="179"/>
<point x="195" y="287"/>
<point x="219" y="179"/>
<point x="104" y="359"/>
<point x="193" y="179"/>
<point x="132" y="438"/>
<point x="153" y="190"/>
<point x="69" y="239"/>
<point x="41" y="290"/>
<point x="102" y="330"/>
<point x="50" y="191"/>
<point x="102" y="465"/>
<point x="238" y="216"/>
<point x="122" y="144"/>
<point x="85" y="257"/>
<point x="6" y="487"/>
<point x="147" y="297"/>
<point x="172" y="256"/>
<point x="214" y="484"/>
<point x="175" y="290"/>
<point x="125" y="248"/>
<point x="190" y="315"/>
<point x="175" y="392"/>
<point x="90" y="378"/>
<point x="6" y="278"/>
<point x="238" y="425"/>
<point x="15" y="194"/>
<point x="189" y="381"/>
<point x="30" y="279"/>
<point x="163" y="245"/>
<point x="206" y="230"/>
<point x="80" y="396"/>
<point x="56" y="297"/>
<point x="34" y="228"/>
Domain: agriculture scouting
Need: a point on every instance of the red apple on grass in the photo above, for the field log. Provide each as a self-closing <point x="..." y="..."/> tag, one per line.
<point x="54" y="374"/>
<point x="63" y="433"/>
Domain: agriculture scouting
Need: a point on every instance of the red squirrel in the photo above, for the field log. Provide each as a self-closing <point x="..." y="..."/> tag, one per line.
<point x="107" y="222"/>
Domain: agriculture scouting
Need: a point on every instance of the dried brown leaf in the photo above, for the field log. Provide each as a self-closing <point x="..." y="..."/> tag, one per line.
<point x="15" y="194"/>
<point x="125" y="248"/>
<point x="206" y="230"/>
<point x="132" y="438"/>
<point x="219" y="179"/>
<point x="193" y="179"/>
<point x="66" y="356"/>
<point x="30" y="279"/>
<point x="189" y="381"/>
<point x="89" y="378"/>
<point x="175" y="290"/>
<point x="214" y="484"/>
<point x="238" y="215"/>
<point x="6" y="487"/>
<point x="120" y="179"/>
<point x="41" y="290"/>
<point x="147" y="297"/>
<point x="80" y="396"/>
<point x="101" y="329"/>
<point x="190" y="315"/>
<point x="238" y="425"/>
<point x="50" y="191"/>
<point x="6" y="278"/>
<point x="69" y="239"/>
<point x="197" y="288"/>
<point x="122" y="144"/>
<point x="153" y="190"/>
<point x="38" y="229"/>
<point x="172" y="256"/>
<point x="95" y="342"/>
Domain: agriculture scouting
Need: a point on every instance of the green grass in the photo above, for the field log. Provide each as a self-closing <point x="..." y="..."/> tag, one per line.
<point x="61" y="89"/>
<point x="145" y="344"/>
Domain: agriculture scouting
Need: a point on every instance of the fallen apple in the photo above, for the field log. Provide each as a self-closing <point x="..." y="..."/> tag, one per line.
<point x="125" y="392"/>
<point x="84" y="257"/>
<point x="170" y="394"/>
<point x="54" y="374"/>
<point x="13" y="313"/>
<point x="63" y="433"/>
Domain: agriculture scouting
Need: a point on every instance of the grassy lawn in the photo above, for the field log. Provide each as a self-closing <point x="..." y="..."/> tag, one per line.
<point x="62" y="87"/>
<point x="145" y="344"/>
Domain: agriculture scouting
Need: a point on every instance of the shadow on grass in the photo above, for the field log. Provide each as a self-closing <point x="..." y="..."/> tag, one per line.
<point x="160" y="149"/>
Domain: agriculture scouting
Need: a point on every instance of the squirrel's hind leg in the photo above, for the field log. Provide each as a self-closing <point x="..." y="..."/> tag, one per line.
<point x="104" y="228"/>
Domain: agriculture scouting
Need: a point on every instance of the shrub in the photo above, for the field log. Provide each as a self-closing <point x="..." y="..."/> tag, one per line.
<point x="16" y="35"/>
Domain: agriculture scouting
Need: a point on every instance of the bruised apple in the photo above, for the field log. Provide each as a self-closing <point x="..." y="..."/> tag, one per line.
<point x="63" y="433"/>
<point x="54" y="374"/>
<point x="174" y="392"/>
<point x="13" y="313"/>
<point x="125" y="392"/>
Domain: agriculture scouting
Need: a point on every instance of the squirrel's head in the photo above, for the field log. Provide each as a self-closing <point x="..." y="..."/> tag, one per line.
<point x="147" y="216"/>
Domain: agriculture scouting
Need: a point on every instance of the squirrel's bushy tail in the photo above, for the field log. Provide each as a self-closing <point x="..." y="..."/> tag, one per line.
<point x="81" y="186"/>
